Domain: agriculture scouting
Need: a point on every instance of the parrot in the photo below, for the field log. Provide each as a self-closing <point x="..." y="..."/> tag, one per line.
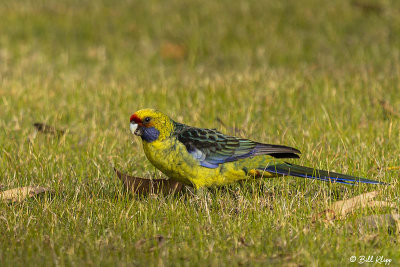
<point x="201" y="157"/>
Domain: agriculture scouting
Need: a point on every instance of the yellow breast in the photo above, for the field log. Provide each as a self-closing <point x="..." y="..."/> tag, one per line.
<point x="171" y="157"/>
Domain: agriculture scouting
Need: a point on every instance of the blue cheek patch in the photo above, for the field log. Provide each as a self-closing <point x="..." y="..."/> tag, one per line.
<point x="150" y="134"/>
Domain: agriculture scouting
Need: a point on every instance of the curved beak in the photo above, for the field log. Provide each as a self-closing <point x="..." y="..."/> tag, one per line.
<point x="135" y="129"/>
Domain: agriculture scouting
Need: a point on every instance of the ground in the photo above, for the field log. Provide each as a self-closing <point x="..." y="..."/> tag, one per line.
<point x="321" y="76"/>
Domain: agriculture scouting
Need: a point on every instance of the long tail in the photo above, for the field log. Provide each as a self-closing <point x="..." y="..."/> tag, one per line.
<point x="305" y="172"/>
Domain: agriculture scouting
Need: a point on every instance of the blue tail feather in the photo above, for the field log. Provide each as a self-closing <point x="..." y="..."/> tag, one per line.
<point x="305" y="172"/>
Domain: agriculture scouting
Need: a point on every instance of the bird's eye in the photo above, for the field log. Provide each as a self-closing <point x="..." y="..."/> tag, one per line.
<point x="147" y="119"/>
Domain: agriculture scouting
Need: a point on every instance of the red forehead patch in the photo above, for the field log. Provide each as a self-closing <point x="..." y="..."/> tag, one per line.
<point x="135" y="118"/>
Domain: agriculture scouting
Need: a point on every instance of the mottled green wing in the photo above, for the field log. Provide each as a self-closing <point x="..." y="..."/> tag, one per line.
<point x="212" y="148"/>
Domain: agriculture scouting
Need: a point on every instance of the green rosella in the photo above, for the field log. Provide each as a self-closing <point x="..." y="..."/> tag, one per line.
<point x="206" y="157"/>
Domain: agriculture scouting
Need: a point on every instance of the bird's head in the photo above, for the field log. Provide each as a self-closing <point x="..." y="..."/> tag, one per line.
<point x="151" y="125"/>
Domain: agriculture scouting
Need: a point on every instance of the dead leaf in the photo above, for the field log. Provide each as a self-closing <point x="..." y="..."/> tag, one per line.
<point x="340" y="209"/>
<point x="344" y="207"/>
<point x="368" y="7"/>
<point x="138" y="185"/>
<point x="172" y="51"/>
<point x="21" y="193"/>
<point x="46" y="129"/>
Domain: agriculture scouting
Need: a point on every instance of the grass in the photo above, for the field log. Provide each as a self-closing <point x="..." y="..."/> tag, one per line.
<point x="308" y="74"/>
